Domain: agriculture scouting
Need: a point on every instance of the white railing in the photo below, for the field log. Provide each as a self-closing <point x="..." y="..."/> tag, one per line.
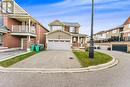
<point x="23" y="29"/>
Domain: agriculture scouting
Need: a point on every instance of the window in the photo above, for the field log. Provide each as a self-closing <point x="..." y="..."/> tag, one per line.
<point x="7" y="6"/>
<point x="129" y="34"/>
<point x="114" y="31"/>
<point x="74" y="39"/>
<point x="128" y="25"/>
<point x="72" y="29"/>
<point x="1" y="20"/>
<point x="57" y="28"/>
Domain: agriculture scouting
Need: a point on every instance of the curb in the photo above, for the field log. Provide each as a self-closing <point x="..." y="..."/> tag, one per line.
<point x="75" y="70"/>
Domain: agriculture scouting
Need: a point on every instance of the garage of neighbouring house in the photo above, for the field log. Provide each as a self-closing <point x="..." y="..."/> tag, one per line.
<point x="120" y="47"/>
<point x="58" y="40"/>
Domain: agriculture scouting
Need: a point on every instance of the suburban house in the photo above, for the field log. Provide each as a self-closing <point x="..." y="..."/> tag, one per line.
<point x="111" y="35"/>
<point x="18" y="29"/>
<point x="117" y="38"/>
<point x="64" y="36"/>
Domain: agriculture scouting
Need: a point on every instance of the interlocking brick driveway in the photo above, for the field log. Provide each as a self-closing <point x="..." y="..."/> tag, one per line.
<point x="50" y="59"/>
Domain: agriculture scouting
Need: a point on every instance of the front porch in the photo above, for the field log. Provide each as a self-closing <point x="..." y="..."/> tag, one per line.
<point x="79" y="41"/>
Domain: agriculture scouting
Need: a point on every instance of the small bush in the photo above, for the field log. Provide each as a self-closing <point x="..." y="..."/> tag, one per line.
<point x="98" y="48"/>
<point x="87" y="49"/>
<point x="109" y="48"/>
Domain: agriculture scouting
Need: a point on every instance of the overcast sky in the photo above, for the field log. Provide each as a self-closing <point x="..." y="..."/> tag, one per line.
<point x="108" y="13"/>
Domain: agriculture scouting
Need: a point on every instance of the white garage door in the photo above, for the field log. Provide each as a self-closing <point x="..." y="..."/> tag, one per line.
<point x="58" y="45"/>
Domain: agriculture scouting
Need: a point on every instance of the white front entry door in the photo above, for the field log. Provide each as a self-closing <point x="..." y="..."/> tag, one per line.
<point x="58" y="45"/>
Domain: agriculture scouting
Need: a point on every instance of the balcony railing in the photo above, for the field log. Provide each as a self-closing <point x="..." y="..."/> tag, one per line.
<point x="23" y="29"/>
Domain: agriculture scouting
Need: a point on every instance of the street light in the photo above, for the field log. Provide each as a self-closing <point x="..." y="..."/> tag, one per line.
<point x="91" y="48"/>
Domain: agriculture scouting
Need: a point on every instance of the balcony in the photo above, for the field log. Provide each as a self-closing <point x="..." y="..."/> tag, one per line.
<point x="23" y="30"/>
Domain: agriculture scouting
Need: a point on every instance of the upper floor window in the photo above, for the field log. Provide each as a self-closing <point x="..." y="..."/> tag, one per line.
<point x="114" y="31"/>
<point x="72" y="29"/>
<point x="128" y="34"/>
<point x="57" y="28"/>
<point x="7" y="6"/>
<point x="128" y="25"/>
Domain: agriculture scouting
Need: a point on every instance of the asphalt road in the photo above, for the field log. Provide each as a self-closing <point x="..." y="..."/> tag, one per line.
<point x="117" y="76"/>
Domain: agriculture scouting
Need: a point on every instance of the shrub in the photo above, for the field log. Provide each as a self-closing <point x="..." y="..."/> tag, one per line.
<point x="109" y="48"/>
<point x="98" y="48"/>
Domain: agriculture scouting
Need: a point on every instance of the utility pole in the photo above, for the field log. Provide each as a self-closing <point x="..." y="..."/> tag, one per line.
<point x="91" y="48"/>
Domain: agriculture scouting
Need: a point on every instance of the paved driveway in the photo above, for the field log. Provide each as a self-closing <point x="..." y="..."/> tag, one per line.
<point x="50" y="59"/>
<point x="4" y="55"/>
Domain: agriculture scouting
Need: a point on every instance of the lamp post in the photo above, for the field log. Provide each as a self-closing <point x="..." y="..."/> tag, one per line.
<point x="91" y="48"/>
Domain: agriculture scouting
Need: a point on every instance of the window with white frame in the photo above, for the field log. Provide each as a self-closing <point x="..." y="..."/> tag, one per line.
<point x="114" y="31"/>
<point x="74" y="39"/>
<point x="72" y="29"/>
<point x="7" y="6"/>
<point x="128" y="25"/>
<point x="57" y="28"/>
<point x="128" y="34"/>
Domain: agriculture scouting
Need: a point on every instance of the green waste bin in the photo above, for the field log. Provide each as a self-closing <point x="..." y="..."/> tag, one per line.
<point x="41" y="47"/>
<point x="33" y="47"/>
<point x="37" y="48"/>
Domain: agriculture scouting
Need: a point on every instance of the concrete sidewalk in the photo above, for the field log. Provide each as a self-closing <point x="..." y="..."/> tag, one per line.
<point x="4" y="55"/>
<point x="50" y="60"/>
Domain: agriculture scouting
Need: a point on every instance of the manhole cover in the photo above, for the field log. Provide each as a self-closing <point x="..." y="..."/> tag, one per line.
<point x="71" y="58"/>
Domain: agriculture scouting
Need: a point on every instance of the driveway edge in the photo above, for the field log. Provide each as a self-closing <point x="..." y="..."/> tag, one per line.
<point x="110" y="64"/>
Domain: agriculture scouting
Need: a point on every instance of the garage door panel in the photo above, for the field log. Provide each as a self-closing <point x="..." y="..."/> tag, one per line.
<point x="58" y="45"/>
<point x="122" y="48"/>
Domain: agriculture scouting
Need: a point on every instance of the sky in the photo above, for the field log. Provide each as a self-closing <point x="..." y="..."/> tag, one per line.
<point x="108" y="13"/>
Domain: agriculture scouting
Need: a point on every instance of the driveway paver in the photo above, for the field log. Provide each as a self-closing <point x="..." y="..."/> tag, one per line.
<point x="50" y="59"/>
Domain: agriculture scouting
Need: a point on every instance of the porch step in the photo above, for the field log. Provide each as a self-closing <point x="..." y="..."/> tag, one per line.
<point x="8" y="49"/>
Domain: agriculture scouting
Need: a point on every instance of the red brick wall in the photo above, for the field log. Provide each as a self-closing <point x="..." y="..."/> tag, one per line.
<point x="66" y="29"/>
<point x="9" y="22"/>
<point x="11" y="41"/>
<point x="41" y="34"/>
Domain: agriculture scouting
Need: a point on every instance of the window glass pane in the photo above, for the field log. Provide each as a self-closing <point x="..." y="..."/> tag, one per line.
<point x="72" y="29"/>
<point x="56" y="27"/>
<point x="1" y="20"/>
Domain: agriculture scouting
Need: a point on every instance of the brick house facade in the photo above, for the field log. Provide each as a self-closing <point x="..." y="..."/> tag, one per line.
<point x="19" y="29"/>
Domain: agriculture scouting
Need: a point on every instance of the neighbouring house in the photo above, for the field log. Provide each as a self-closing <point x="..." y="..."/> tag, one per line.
<point x="111" y="35"/>
<point x="64" y="36"/>
<point x="18" y="29"/>
<point x="126" y="30"/>
<point x="117" y="38"/>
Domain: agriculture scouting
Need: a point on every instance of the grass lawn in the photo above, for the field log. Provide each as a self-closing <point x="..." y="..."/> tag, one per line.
<point x="100" y="58"/>
<point x="16" y="59"/>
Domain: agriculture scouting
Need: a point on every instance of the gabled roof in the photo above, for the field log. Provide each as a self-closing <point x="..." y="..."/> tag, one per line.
<point x="58" y="31"/>
<point x="59" y="23"/>
<point x="71" y="24"/>
<point x="19" y="11"/>
<point x="127" y="21"/>
<point x="56" y="23"/>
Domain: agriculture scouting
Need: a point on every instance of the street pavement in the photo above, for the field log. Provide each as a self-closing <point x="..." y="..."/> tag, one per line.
<point x="117" y="76"/>
<point x="50" y="60"/>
